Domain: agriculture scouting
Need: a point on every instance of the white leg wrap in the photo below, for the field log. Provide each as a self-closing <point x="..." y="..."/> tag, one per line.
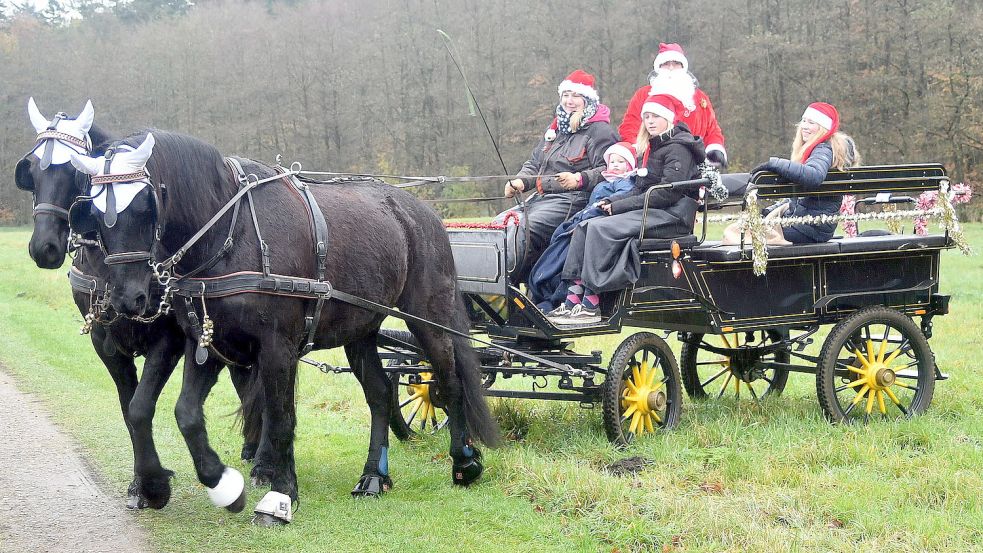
<point x="228" y="489"/>
<point x="275" y="504"/>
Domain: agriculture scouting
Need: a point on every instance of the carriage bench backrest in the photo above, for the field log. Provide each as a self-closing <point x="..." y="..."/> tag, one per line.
<point x="911" y="179"/>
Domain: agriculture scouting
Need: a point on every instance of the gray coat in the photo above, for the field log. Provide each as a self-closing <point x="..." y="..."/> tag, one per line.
<point x="581" y="152"/>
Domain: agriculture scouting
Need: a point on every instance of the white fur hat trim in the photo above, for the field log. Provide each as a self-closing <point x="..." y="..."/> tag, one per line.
<point x="817" y="116"/>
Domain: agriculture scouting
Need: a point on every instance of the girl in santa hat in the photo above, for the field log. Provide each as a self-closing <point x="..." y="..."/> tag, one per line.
<point x="544" y="281"/>
<point x="564" y="168"/>
<point x="817" y="147"/>
<point x="603" y="252"/>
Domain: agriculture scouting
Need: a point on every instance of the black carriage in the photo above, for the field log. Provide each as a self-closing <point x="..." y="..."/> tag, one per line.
<point x="740" y="332"/>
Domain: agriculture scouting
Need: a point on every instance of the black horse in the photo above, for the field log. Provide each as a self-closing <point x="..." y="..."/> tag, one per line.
<point x="383" y="245"/>
<point x="161" y="342"/>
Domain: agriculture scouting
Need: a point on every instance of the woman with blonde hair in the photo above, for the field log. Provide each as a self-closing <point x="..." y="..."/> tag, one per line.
<point x="817" y="147"/>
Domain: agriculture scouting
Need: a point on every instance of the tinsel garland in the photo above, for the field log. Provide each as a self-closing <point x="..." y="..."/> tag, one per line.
<point x="752" y="222"/>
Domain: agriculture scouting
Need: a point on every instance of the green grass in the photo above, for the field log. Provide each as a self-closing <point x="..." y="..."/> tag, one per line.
<point x="735" y="476"/>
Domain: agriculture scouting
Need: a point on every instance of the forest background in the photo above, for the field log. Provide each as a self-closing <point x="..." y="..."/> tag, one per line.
<point x="366" y="85"/>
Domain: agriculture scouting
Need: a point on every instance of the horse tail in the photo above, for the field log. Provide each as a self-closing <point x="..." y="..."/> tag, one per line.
<point x="481" y="424"/>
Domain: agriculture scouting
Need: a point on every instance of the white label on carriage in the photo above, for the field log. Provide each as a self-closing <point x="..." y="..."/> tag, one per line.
<point x="882" y="197"/>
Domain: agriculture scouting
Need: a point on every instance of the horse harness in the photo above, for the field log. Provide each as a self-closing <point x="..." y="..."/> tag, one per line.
<point x="48" y="137"/>
<point x="189" y="286"/>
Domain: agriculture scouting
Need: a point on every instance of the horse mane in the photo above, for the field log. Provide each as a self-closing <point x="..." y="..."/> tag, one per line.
<point x="192" y="173"/>
<point x="101" y="139"/>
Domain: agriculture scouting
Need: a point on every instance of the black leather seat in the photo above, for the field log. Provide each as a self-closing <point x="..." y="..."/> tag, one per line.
<point x="716" y="252"/>
<point x="661" y="244"/>
<point x="891" y="242"/>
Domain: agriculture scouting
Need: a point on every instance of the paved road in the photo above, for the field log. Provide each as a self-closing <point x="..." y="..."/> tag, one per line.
<point x="50" y="500"/>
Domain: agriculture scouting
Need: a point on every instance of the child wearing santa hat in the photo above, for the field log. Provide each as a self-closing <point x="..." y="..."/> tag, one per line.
<point x="603" y="252"/>
<point x="817" y="146"/>
<point x="544" y="279"/>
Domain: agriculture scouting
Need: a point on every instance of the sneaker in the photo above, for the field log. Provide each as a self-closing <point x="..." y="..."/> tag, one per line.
<point x="561" y="311"/>
<point x="580" y="315"/>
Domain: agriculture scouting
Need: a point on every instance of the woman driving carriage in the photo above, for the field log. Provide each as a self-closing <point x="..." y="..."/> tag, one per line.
<point x="818" y="146"/>
<point x="603" y="252"/>
<point x="565" y="165"/>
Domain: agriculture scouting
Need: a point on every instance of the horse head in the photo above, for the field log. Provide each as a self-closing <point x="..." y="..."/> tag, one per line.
<point x="125" y="211"/>
<point x="45" y="171"/>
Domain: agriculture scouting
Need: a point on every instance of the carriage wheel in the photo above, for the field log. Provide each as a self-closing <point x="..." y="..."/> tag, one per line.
<point x="708" y="374"/>
<point x="416" y="407"/>
<point x="642" y="391"/>
<point x="875" y="363"/>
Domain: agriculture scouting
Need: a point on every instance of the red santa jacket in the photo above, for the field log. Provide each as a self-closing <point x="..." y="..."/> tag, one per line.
<point x="702" y="121"/>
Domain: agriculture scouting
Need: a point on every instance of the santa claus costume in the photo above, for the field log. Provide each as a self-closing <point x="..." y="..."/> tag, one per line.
<point x="698" y="112"/>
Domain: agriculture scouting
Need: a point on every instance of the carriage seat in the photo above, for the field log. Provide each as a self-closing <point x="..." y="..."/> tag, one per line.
<point x="663" y="244"/>
<point x="891" y="242"/>
<point x="715" y="252"/>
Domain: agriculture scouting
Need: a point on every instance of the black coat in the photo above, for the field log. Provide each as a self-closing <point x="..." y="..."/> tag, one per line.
<point x="671" y="159"/>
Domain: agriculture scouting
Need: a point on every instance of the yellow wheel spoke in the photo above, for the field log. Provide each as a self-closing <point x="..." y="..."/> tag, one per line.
<point x="870" y="401"/>
<point x="862" y="359"/>
<point x="871" y="357"/>
<point x="856" y="383"/>
<point x="880" y="402"/>
<point x="651" y="378"/>
<point x="635" y="420"/>
<point x="891" y="395"/>
<point x="632" y="407"/>
<point x="635" y="376"/>
<point x="887" y="362"/>
<point x="658" y="419"/>
<point x="880" y="352"/>
<point x="902" y="384"/>
<point x="648" y="424"/>
<point x="861" y="394"/>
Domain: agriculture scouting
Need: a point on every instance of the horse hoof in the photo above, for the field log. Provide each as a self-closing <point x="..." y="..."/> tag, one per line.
<point x="239" y="504"/>
<point x="248" y="452"/>
<point x="466" y="473"/>
<point x="261" y="477"/>
<point x="372" y="485"/>
<point x="155" y="491"/>
<point x="135" y="501"/>
<point x="264" y="520"/>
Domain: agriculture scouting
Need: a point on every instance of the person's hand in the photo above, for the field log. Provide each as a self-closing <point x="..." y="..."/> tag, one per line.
<point x="568" y="180"/>
<point x="717" y="159"/>
<point x="513" y="187"/>
<point x="605" y="207"/>
<point x="761" y="167"/>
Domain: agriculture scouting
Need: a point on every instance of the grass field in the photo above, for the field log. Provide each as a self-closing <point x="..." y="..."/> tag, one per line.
<point x="735" y="476"/>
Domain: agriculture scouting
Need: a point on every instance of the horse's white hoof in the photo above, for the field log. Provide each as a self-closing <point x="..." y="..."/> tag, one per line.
<point x="229" y="488"/>
<point x="276" y="505"/>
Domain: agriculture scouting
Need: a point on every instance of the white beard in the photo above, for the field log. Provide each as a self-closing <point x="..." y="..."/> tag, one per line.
<point x="678" y="84"/>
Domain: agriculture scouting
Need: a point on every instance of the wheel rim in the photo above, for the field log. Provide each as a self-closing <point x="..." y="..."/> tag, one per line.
<point x="716" y="377"/>
<point x="878" y="373"/>
<point x="416" y="405"/>
<point x="645" y="396"/>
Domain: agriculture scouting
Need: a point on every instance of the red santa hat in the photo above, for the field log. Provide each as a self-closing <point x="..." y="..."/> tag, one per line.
<point x="625" y="150"/>
<point x="670" y="52"/>
<point x="666" y="107"/>
<point x="826" y="116"/>
<point x="580" y="82"/>
<point x="663" y="105"/>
